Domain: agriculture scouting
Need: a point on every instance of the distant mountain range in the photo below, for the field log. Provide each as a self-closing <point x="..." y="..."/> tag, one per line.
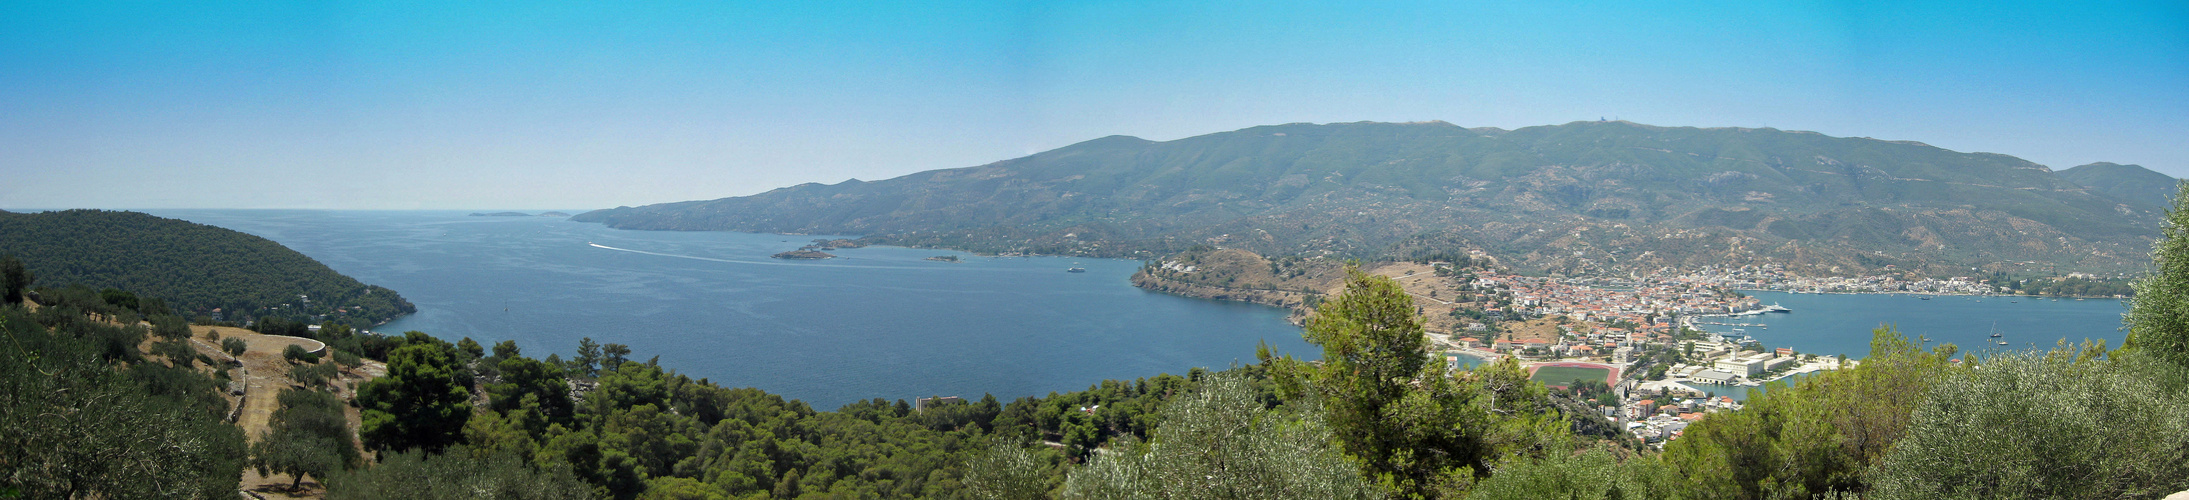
<point x="1583" y="197"/>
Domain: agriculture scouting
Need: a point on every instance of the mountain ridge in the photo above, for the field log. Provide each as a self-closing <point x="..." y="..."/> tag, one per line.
<point x="1654" y="197"/>
<point x="2126" y="182"/>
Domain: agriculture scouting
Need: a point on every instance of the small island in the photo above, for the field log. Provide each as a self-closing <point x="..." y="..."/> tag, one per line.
<point x="944" y="258"/>
<point x="554" y="214"/>
<point x="804" y="254"/>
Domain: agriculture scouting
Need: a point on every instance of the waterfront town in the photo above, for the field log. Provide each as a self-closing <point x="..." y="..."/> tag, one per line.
<point x="1670" y="346"/>
<point x="1643" y="335"/>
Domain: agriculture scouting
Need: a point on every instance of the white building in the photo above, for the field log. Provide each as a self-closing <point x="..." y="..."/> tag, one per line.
<point x="1746" y="365"/>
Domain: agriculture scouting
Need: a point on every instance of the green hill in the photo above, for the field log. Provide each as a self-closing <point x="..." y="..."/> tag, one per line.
<point x="2131" y="183"/>
<point x="1581" y="197"/>
<point x="194" y="267"/>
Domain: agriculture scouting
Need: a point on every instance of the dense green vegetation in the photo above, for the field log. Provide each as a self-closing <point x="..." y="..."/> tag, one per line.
<point x="308" y="435"/>
<point x="421" y="403"/>
<point x="1817" y="436"/>
<point x="458" y="475"/>
<point x="1218" y="442"/>
<point x="1414" y="430"/>
<point x="639" y="429"/>
<point x="83" y="414"/>
<point x="194" y="268"/>
<point x="2158" y="319"/>
<point x="1583" y="197"/>
<point x="2066" y="424"/>
<point x="14" y="279"/>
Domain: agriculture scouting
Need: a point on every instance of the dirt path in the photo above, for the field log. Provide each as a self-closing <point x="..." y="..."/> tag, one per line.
<point x="265" y="374"/>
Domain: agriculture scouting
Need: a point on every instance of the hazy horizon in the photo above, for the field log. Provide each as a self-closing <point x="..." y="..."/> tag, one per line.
<point x="379" y="106"/>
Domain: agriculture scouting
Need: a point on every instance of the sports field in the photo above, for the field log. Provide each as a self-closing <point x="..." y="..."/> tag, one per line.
<point x="1561" y="376"/>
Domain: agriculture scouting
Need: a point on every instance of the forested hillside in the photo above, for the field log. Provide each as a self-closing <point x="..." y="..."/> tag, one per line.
<point x="2131" y="183"/>
<point x="194" y="268"/>
<point x="1582" y="197"/>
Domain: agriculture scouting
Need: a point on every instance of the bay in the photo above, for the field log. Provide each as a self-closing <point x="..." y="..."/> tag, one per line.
<point x="883" y="322"/>
<point x="1841" y="324"/>
<point x="878" y="322"/>
<point x="1835" y="324"/>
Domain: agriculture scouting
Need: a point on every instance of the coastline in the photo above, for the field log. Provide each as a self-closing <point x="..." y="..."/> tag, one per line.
<point x="1295" y="302"/>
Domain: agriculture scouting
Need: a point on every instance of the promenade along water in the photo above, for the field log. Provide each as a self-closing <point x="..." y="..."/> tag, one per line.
<point x="879" y="322"/>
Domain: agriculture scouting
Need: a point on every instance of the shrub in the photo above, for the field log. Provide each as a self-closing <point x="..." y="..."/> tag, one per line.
<point x="1592" y="475"/>
<point x="457" y="475"/>
<point x="297" y="354"/>
<point x="170" y="327"/>
<point x="308" y="435"/>
<point x="312" y="375"/>
<point x="346" y="359"/>
<point x="177" y="351"/>
<point x="2047" y="426"/>
<point x="1221" y="443"/>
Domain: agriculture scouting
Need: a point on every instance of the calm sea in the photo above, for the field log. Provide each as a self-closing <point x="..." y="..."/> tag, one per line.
<point x="1829" y="324"/>
<point x="877" y="322"/>
<point x="884" y="322"/>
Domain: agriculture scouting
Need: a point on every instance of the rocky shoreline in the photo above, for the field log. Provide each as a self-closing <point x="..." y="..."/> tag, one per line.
<point x="1296" y="302"/>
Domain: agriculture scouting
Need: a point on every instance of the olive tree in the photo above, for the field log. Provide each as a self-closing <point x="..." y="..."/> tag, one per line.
<point x="1221" y="443"/>
<point x="2158" y="316"/>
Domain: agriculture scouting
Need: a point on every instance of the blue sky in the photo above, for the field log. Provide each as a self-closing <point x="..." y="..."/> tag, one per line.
<point x="550" y="105"/>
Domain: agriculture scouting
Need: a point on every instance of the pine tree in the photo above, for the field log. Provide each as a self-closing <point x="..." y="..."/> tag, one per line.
<point x="1408" y="426"/>
<point x="14" y="279"/>
<point x="422" y="402"/>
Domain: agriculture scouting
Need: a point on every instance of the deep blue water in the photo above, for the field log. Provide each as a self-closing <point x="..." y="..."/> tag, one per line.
<point x="877" y="322"/>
